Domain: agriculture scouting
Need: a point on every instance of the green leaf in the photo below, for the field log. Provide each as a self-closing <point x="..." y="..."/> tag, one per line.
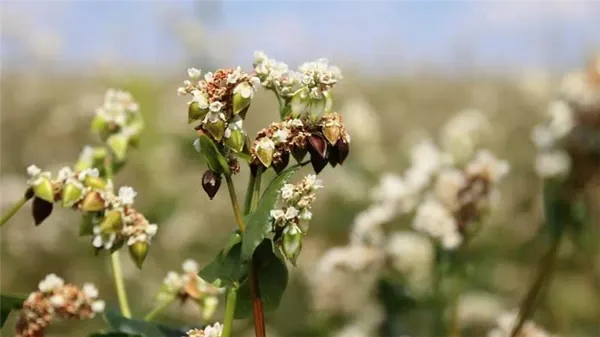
<point x="272" y="280"/>
<point x="258" y="226"/>
<point x="214" y="159"/>
<point x="557" y="210"/>
<point x="132" y="327"/>
<point x="233" y="240"/>
<point x="228" y="268"/>
<point x="9" y="303"/>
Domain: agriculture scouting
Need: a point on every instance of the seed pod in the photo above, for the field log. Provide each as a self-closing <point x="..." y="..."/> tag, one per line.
<point x="281" y="162"/>
<point x="292" y="242"/>
<point x="138" y="252"/>
<point x="71" y="193"/>
<point x="211" y="183"/>
<point x="317" y="144"/>
<point x="112" y="222"/>
<point x="195" y="113"/>
<point x="264" y="151"/>
<point x="332" y="133"/>
<point x="235" y="141"/>
<point x="94" y="182"/>
<point x="43" y="189"/>
<point x="333" y="155"/>
<point x="118" y="144"/>
<point x="318" y="163"/>
<point x="242" y="96"/>
<point x="41" y="209"/>
<point x="92" y="202"/>
<point x="343" y="148"/>
<point x="216" y="129"/>
<point x="299" y="153"/>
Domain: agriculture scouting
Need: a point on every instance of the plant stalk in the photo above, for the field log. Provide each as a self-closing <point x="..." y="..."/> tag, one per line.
<point x="158" y="309"/>
<point x="119" y="284"/>
<point x="229" y="311"/>
<point x="13" y="210"/>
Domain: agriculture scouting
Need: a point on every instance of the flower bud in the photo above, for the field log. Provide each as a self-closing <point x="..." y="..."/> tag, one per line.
<point x="41" y="209"/>
<point x="94" y="182"/>
<point x="43" y="189"/>
<point x="317" y="145"/>
<point x="92" y="202"/>
<point x="71" y="193"/>
<point x="264" y="151"/>
<point x="300" y="102"/>
<point x="235" y="140"/>
<point x="242" y="96"/>
<point x="138" y="252"/>
<point x="281" y="162"/>
<point x="118" y="144"/>
<point x="216" y="129"/>
<point x="332" y="132"/>
<point x="292" y="242"/>
<point x="211" y="183"/>
<point x="113" y="222"/>
<point x="195" y="112"/>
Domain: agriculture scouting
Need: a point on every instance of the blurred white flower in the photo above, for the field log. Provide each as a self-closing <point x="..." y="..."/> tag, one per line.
<point x="50" y="282"/>
<point x="190" y="266"/>
<point x="488" y="165"/>
<point x="411" y="255"/>
<point x="90" y="290"/>
<point x="461" y="135"/>
<point x="194" y="73"/>
<point x="447" y="187"/>
<point x="126" y="195"/>
<point x="552" y="164"/>
<point x="434" y="219"/>
<point x="562" y="120"/>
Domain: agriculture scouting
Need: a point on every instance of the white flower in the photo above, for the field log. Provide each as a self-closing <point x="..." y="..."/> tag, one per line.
<point x="208" y="77"/>
<point x="151" y="229"/>
<point x="426" y="157"/>
<point x="181" y="91"/>
<point x="305" y="215"/>
<point x="33" y="170"/>
<point x="562" y="121"/>
<point x="542" y="137"/>
<point x="234" y="76"/>
<point x="280" y="136"/>
<point x="266" y="144"/>
<point x="552" y="164"/>
<point x="200" y="98"/>
<point x="173" y="282"/>
<point x="50" y="283"/>
<point x="90" y="290"/>
<point x="287" y="191"/>
<point x="486" y="164"/>
<point x="90" y="172"/>
<point x="57" y="300"/>
<point x="215" y="106"/>
<point x="312" y="183"/>
<point x="194" y="73"/>
<point x="435" y="220"/>
<point x="294" y="123"/>
<point x="126" y="195"/>
<point x="65" y="173"/>
<point x="98" y="306"/>
<point x="277" y="214"/>
<point x="291" y="213"/>
<point x="213" y="331"/>
<point x="190" y="266"/>
<point x="447" y="187"/>
<point x="366" y="228"/>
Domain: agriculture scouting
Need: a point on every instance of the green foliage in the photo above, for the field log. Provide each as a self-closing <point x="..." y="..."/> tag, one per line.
<point x="258" y="224"/>
<point x="227" y="267"/>
<point x="132" y="327"/>
<point x="214" y="159"/>
<point x="272" y="280"/>
<point x="9" y="303"/>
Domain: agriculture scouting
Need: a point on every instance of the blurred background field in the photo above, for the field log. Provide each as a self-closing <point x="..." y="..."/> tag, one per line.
<point x="408" y="68"/>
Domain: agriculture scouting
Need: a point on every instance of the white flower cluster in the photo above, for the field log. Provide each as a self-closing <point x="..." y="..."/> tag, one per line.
<point x="507" y="321"/>
<point x="210" y="331"/>
<point x="189" y="285"/>
<point x="134" y="227"/>
<point x="292" y="219"/>
<point x="462" y="133"/>
<point x="118" y="107"/>
<point x="314" y="77"/>
<point x="55" y="299"/>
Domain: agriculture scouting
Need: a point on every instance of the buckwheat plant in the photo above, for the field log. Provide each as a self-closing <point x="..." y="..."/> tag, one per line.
<point x="446" y="199"/>
<point x="568" y="162"/>
<point x="271" y="224"/>
<point x="109" y="221"/>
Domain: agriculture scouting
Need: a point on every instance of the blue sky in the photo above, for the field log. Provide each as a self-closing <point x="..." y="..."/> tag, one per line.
<point x="375" y="36"/>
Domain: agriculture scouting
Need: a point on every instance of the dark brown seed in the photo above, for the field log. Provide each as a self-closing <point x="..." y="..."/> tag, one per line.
<point x="317" y="162"/>
<point x="343" y="148"/>
<point x="318" y="144"/>
<point x="281" y="162"/>
<point x="211" y="183"/>
<point x="333" y="155"/>
<point x="299" y="153"/>
<point x="29" y="193"/>
<point x="41" y="209"/>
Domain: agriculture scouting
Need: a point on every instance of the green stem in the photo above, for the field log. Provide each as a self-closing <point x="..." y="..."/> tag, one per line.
<point x="256" y="190"/>
<point x="249" y="191"/>
<point x="239" y="219"/>
<point x="13" y="210"/>
<point x="158" y="309"/>
<point x="119" y="284"/>
<point x="229" y="311"/>
<point x="532" y="299"/>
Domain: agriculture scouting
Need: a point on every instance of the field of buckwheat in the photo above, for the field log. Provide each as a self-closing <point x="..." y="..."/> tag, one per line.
<point x="268" y="199"/>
